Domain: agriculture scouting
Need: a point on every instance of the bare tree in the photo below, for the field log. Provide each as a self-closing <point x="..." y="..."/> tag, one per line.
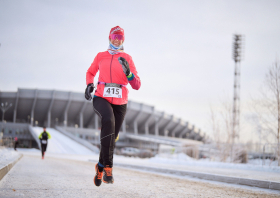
<point x="220" y="122"/>
<point x="221" y="126"/>
<point x="267" y="107"/>
<point x="215" y="126"/>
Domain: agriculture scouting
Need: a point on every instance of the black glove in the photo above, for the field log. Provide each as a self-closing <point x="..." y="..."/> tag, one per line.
<point x="125" y="65"/>
<point x="89" y="90"/>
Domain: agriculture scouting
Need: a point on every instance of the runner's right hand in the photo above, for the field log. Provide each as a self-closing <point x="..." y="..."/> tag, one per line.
<point x="88" y="91"/>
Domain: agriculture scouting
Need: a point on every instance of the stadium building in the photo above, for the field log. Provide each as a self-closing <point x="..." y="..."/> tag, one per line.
<point x="69" y="112"/>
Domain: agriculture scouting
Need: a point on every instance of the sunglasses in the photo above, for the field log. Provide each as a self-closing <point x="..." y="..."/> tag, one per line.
<point x="116" y="36"/>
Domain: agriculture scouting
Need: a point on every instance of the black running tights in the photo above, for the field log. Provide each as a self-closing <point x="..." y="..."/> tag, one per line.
<point x="112" y="117"/>
<point x="43" y="148"/>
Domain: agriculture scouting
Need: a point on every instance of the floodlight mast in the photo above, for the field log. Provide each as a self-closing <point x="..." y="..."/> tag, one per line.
<point x="237" y="57"/>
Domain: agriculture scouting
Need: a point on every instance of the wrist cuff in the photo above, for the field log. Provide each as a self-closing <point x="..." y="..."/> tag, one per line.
<point x="130" y="77"/>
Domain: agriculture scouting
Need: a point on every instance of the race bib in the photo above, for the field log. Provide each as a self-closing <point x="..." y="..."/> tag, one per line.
<point x="44" y="141"/>
<point x="114" y="92"/>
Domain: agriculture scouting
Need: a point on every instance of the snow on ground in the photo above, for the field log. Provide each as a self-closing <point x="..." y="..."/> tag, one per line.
<point x="176" y="161"/>
<point x="180" y="159"/>
<point x="60" y="143"/>
<point x="183" y="159"/>
<point x="60" y="178"/>
<point x="78" y="157"/>
<point x="266" y="162"/>
<point x="7" y="155"/>
<point x="183" y="162"/>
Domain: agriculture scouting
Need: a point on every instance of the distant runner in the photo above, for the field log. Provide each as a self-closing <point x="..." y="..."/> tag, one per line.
<point x="16" y="143"/>
<point x="116" y="70"/>
<point x="44" y="136"/>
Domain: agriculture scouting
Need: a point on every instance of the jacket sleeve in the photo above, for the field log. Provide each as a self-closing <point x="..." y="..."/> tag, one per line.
<point x="49" y="135"/>
<point x="133" y="78"/>
<point x="92" y="70"/>
<point x="40" y="136"/>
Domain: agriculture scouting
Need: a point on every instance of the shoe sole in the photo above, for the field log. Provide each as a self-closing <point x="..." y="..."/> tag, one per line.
<point x="110" y="182"/>
<point x="95" y="176"/>
<point x="95" y="183"/>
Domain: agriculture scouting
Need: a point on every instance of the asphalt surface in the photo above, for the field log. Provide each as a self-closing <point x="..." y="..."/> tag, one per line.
<point x="52" y="177"/>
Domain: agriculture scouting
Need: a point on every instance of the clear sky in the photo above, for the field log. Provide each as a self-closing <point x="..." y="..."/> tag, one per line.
<point x="182" y="49"/>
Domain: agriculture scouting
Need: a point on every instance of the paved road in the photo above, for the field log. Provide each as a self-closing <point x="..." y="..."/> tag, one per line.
<point x="34" y="177"/>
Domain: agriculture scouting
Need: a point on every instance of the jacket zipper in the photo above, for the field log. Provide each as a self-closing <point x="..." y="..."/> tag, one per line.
<point x="111" y="73"/>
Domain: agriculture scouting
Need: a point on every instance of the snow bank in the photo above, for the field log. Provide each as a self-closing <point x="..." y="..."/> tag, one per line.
<point x="179" y="158"/>
<point x="7" y="155"/>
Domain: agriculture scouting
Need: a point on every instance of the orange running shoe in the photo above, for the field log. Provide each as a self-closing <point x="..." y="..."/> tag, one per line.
<point x="108" y="176"/>
<point x="98" y="177"/>
<point x="42" y="157"/>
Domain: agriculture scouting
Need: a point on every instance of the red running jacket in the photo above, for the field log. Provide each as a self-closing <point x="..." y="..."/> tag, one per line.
<point x="110" y="71"/>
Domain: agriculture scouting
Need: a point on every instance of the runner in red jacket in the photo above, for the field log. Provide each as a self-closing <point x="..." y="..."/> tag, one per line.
<point x="116" y="70"/>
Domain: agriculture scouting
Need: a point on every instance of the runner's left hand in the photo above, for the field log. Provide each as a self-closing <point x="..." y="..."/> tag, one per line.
<point x="125" y="66"/>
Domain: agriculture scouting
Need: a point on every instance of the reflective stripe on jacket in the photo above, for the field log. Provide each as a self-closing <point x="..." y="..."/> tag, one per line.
<point x="110" y="71"/>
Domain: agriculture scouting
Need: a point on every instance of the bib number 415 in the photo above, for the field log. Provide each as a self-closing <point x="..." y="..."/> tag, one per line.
<point x="112" y="92"/>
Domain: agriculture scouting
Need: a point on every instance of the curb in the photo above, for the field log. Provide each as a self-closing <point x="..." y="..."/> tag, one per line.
<point x="7" y="168"/>
<point x="213" y="177"/>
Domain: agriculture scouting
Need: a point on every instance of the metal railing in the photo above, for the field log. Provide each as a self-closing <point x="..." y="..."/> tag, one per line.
<point x="261" y="151"/>
<point x="266" y="153"/>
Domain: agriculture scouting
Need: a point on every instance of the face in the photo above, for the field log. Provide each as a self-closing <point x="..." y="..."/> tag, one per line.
<point x="44" y="129"/>
<point x="116" y="42"/>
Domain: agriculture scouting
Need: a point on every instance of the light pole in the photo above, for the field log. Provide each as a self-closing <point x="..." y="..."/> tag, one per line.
<point x="237" y="57"/>
<point x="4" y="108"/>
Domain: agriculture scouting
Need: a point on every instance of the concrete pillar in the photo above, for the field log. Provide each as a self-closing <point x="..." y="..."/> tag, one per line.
<point x="65" y="119"/>
<point x="81" y="120"/>
<point x="33" y="107"/>
<point x="96" y="121"/>
<point x="185" y="130"/>
<point x="124" y="126"/>
<point x="135" y="124"/>
<point x="156" y="126"/>
<point x="66" y="110"/>
<point x="15" y="109"/>
<point x="50" y="109"/>
<point x="191" y="133"/>
<point x="173" y="132"/>
<point x="146" y="124"/>
<point x="157" y="121"/>
<point x="146" y="129"/>
<point x="49" y="119"/>
<point x="32" y="118"/>
<point x="166" y="127"/>
<point x="198" y="136"/>
<point x="81" y="115"/>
